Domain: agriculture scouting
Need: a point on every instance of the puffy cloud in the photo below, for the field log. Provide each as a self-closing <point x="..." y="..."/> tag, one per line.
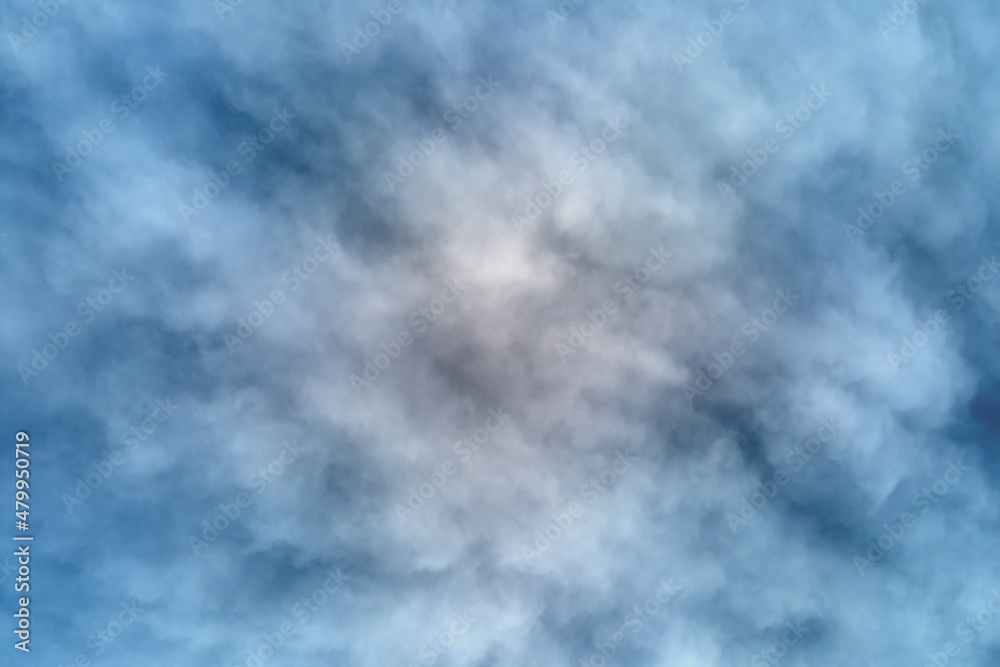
<point x="484" y="324"/>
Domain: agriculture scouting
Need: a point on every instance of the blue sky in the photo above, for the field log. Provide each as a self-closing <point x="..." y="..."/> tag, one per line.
<point x="504" y="334"/>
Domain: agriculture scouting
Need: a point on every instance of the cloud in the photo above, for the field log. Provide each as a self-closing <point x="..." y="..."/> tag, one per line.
<point x="389" y="255"/>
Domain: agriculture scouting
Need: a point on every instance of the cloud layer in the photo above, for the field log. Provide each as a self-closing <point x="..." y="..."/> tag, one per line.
<point x="438" y="333"/>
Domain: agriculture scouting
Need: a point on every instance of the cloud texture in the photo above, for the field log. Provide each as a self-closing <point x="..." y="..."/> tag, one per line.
<point x="505" y="334"/>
